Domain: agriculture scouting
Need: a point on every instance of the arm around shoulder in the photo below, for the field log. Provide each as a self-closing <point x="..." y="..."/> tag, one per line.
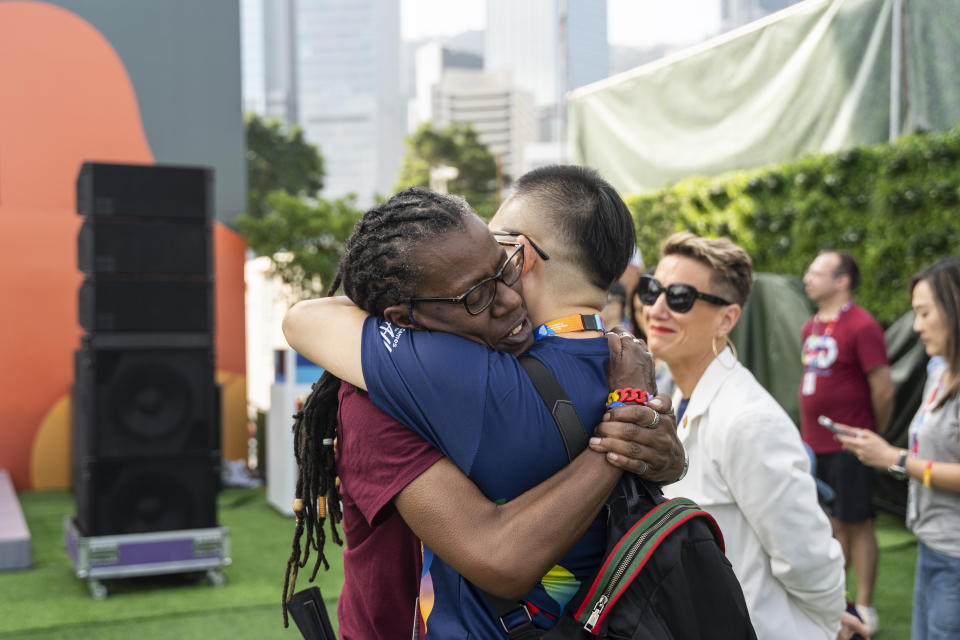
<point x="328" y="331"/>
<point x="505" y="548"/>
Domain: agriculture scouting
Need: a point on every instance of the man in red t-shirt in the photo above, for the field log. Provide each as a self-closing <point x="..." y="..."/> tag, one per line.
<point x="846" y="377"/>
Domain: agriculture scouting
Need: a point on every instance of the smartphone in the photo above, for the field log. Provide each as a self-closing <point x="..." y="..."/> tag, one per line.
<point x="832" y="426"/>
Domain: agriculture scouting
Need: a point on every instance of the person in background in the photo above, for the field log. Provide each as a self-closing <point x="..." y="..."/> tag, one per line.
<point x="846" y="377"/>
<point x="612" y="312"/>
<point x="932" y="462"/>
<point x="631" y="275"/>
<point x="747" y="467"/>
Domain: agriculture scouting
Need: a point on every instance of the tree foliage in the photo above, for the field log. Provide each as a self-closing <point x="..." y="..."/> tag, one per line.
<point x="279" y="159"/>
<point x="896" y="207"/>
<point x="301" y="233"/>
<point x="457" y="146"/>
<point x="303" y="238"/>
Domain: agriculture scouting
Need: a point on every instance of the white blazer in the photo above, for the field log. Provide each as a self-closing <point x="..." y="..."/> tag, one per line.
<point x="749" y="470"/>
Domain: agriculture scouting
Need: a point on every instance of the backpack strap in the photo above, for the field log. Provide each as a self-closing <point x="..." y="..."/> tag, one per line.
<point x="514" y="616"/>
<point x="561" y="408"/>
<point x="625" y="560"/>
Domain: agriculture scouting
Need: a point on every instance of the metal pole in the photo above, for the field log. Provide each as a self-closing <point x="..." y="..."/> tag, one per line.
<point x="896" y="66"/>
<point x="562" y="81"/>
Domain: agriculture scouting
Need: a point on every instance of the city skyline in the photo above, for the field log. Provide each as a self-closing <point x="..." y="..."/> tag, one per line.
<point x="633" y="23"/>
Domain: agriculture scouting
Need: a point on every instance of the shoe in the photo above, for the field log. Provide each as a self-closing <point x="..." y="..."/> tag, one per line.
<point x="869" y="617"/>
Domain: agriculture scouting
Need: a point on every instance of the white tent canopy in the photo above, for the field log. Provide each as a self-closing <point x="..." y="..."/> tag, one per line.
<point x="820" y="76"/>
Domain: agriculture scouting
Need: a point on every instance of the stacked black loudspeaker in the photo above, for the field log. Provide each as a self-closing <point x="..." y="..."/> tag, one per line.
<point x="146" y="426"/>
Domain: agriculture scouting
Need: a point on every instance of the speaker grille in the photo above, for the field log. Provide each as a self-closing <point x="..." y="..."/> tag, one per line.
<point x="139" y="495"/>
<point x="131" y="246"/>
<point x="141" y="402"/>
<point x="105" y="189"/>
<point x="146" y="306"/>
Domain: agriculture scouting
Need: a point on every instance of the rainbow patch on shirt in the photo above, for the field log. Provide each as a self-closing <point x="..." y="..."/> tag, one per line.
<point x="426" y="588"/>
<point x="560" y="584"/>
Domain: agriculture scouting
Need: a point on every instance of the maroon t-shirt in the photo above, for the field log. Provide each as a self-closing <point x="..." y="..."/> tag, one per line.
<point x="376" y="458"/>
<point x="837" y="356"/>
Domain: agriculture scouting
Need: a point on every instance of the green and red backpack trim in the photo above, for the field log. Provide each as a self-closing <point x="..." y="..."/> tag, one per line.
<point x="631" y="553"/>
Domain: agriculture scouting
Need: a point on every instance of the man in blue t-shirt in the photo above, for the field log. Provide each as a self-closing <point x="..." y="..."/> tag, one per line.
<point x="476" y="405"/>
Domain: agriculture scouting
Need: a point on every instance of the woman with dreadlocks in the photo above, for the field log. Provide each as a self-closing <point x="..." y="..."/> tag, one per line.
<point x="399" y="251"/>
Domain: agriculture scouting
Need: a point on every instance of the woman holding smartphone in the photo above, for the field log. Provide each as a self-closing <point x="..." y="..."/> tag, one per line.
<point x="932" y="463"/>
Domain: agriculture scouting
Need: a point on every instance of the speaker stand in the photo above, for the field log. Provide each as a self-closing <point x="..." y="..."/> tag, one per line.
<point x="96" y="558"/>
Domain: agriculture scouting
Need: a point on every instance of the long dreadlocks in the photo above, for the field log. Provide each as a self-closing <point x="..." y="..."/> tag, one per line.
<point x="376" y="271"/>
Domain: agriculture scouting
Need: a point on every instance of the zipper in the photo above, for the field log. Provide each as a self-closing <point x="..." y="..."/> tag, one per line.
<point x="625" y="562"/>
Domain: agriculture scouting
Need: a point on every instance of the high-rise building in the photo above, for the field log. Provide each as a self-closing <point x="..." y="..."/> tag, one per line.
<point x="551" y="46"/>
<point x="502" y="115"/>
<point x="431" y="61"/>
<point x="252" y="43"/>
<point x="332" y="67"/>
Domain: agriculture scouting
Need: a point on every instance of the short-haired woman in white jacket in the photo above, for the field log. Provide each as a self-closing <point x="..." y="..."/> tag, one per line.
<point x="748" y="467"/>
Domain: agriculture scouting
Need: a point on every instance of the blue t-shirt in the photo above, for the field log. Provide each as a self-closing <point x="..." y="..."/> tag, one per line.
<point x="481" y="410"/>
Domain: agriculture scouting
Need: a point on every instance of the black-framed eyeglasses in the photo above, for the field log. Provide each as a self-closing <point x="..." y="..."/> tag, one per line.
<point x="477" y="298"/>
<point x="680" y="296"/>
<point x="513" y="234"/>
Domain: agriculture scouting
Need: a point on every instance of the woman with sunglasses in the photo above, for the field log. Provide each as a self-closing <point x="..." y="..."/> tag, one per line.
<point x="747" y="463"/>
<point x="932" y="463"/>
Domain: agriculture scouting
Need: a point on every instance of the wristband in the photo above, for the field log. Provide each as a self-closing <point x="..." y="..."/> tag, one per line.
<point x="619" y="397"/>
<point x="927" y="474"/>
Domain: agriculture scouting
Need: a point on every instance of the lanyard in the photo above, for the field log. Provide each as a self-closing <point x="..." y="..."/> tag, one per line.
<point x="809" y="356"/>
<point x="921" y="418"/>
<point x="568" y="324"/>
<point x="828" y="331"/>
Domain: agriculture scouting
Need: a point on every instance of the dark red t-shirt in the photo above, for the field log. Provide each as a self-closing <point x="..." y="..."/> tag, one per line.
<point x="839" y="358"/>
<point x="376" y="458"/>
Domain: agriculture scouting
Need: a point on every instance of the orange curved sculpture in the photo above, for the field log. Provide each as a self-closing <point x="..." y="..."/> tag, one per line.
<point x="65" y="98"/>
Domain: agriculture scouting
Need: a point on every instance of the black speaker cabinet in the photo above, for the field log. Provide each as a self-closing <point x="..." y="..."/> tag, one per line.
<point x="141" y="495"/>
<point x="130" y="246"/>
<point x="105" y="189"/>
<point x="144" y="401"/>
<point x="146" y="305"/>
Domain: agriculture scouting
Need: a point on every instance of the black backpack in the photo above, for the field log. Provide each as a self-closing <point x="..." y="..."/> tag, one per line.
<point x="664" y="573"/>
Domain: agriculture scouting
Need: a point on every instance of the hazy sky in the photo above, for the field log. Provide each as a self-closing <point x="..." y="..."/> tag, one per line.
<point x="629" y="22"/>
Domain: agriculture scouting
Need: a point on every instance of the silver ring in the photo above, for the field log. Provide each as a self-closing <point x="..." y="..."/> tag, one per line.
<point x="646" y="467"/>
<point x="637" y="340"/>
<point x="656" y="420"/>
<point x="650" y="354"/>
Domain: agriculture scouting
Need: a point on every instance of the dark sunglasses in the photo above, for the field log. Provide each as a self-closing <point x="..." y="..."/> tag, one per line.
<point x="680" y="297"/>
<point x="477" y="298"/>
<point x="513" y="234"/>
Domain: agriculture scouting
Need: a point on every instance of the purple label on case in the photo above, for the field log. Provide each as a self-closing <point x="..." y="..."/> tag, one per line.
<point x="135" y="553"/>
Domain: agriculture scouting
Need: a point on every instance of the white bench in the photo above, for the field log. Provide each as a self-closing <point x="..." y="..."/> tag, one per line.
<point x="15" y="551"/>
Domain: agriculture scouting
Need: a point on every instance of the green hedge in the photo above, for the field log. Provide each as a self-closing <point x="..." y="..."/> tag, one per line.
<point x="896" y="207"/>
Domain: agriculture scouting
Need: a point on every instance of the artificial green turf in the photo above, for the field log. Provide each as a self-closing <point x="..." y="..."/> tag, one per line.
<point x="48" y="601"/>
<point x="893" y="593"/>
